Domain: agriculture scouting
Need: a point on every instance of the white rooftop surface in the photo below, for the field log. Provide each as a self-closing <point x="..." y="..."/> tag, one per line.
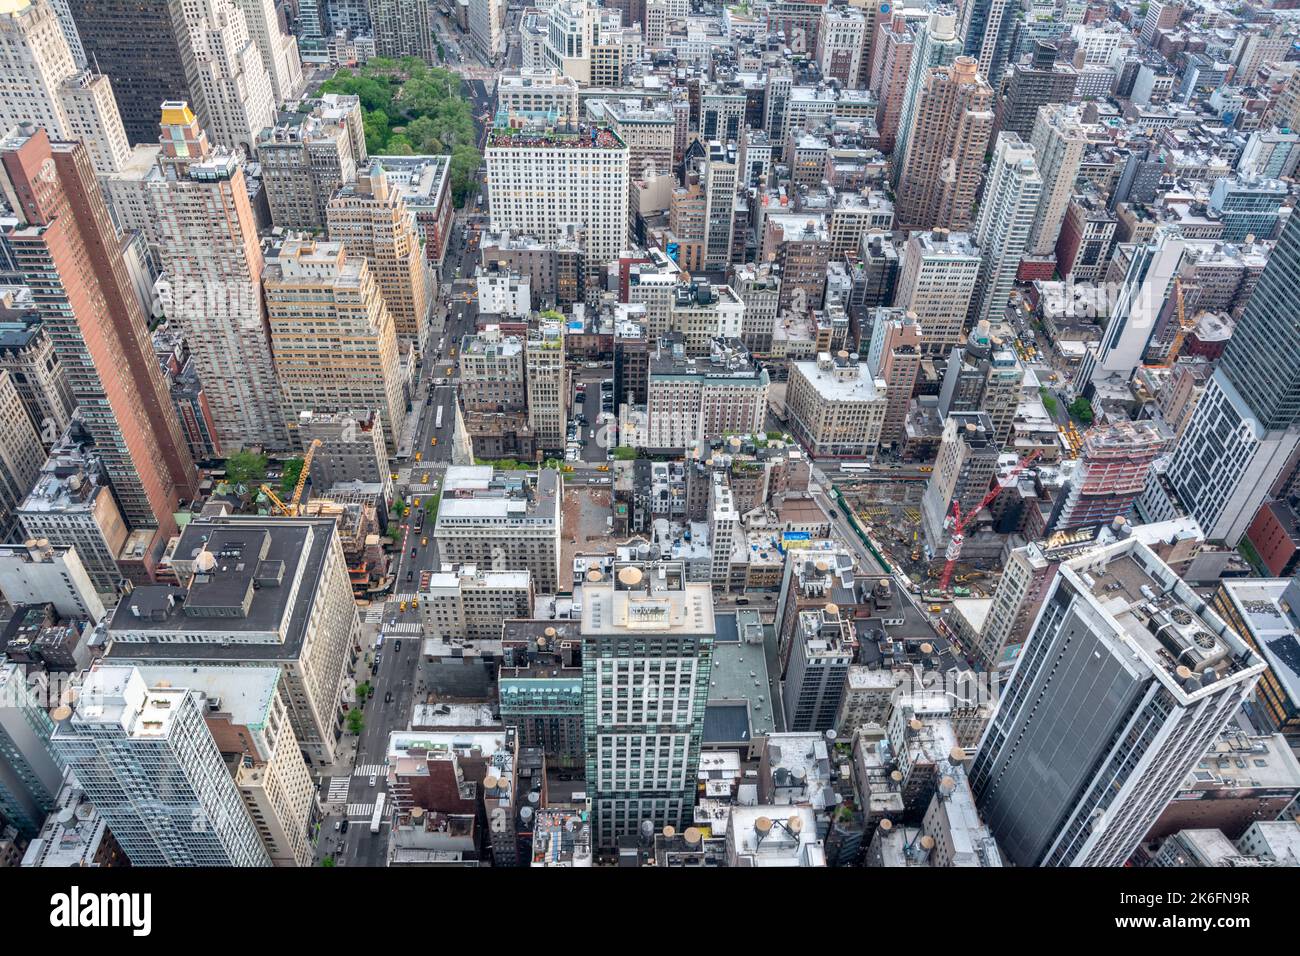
<point x="861" y="388"/>
<point x="453" y="715"/>
<point x="466" y="478"/>
<point x="779" y="847"/>
<point x="245" y="693"/>
<point x="975" y="610"/>
<point x="118" y="695"/>
<point x="607" y="611"/>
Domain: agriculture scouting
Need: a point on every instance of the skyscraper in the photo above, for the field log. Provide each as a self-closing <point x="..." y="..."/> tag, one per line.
<point x="538" y="181"/>
<point x="945" y="148"/>
<point x="137" y="44"/>
<point x="647" y="638"/>
<point x="1006" y="217"/>
<point x="229" y="81"/>
<point x="986" y="28"/>
<point x="332" y="336"/>
<point x="403" y="28"/>
<point x="149" y="764"/>
<point x="1113" y="471"/>
<point x="213" y="266"/>
<point x="1059" y="140"/>
<point x="372" y="220"/>
<point x="42" y="83"/>
<point x="936" y="283"/>
<point x="278" y="50"/>
<point x="21" y="453"/>
<point x="70" y="255"/>
<point x="1124" y="682"/>
<point x="547" y="384"/>
<point x="936" y="45"/>
<point x="1245" y="427"/>
<point x="29" y="773"/>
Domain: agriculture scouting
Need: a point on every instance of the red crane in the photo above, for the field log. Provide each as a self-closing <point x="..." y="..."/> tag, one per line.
<point x="957" y="520"/>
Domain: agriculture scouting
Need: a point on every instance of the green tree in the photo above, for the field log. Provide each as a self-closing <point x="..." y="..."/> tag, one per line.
<point x="356" y="722"/>
<point x="400" y="507"/>
<point x="1081" y="409"/>
<point x="363" y="690"/>
<point x="246" y="467"/>
<point x="624" y="453"/>
<point x="327" y="862"/>
<point x="431" y="504"/>
<point x="289" y="479"/>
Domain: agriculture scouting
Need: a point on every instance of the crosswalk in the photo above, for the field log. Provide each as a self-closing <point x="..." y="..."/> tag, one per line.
<point x="408" y="597"/>
<point x="338" y="789"/>
<point x="374" y="614"/>
<point x="403" y="627"/>
<point x="370" y="770"/>
<point x="361" y="810"/>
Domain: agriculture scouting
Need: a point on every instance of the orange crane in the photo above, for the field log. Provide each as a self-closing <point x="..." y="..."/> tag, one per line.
<point x="1184" y="326"/>
<point x="957" y="521"/>
<point x="291" y="508"/>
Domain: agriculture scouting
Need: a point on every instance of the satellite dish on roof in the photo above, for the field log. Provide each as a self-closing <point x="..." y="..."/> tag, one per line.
<point x="206" y="561"/>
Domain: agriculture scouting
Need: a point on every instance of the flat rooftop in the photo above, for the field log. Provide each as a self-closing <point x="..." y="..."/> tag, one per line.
<point x="160" y="630"/>
<point x="1165" y="621"/>
<point x="1270" y="608"/>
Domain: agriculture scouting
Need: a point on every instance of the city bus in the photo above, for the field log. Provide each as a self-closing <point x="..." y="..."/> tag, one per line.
<point x="377" y="817"/>
<point x="855" y="466"/>
<point x="437" y="422"/>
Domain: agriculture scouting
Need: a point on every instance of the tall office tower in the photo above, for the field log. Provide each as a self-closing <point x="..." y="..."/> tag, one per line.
<point x="1031" y="86"/>
<point x="945" y="148"/>
<point x="726" y="533"/>
<point x="1161" y="15"/>
<point x="936" y="283"/>
<point x="212" y="259"/>
<point x="1148" y="285"/>
<point x="278" y="50"/>
<point x="486" y="20"/>
<point x="492" y="372"/>
<point x="503" y="521"/>
<point x="647" y="652"/>
<point x="1112" y="472"/>
<point x="70" y="252"/>
<point x="1247" y="424"/>
<point x="39" y="573"/>
<point x="403" y="28"/>
<point x="332" y="336"/>
<point x="1059" y="141"/>
<point x="147" y="761"/>
<point x="547" y="384"/>
<point x="839" y="44"/>
<point x="21" y="454"/>
<point x="138" y="45"/>
<point x="963" y="471"/>
<point x="28" y="355"/>
<point x="895" y="45"/>
<point x="305" y="160"/>
<point x="937" y="44"/>
<point x="718" y="174"/>
<point x="824" y="645"/>
<point x="894" y="356"/>
<point x="776" y="100"/>
<point x="1122" y="686"/>
<point x="983" y="375"/>
<point x="835" y="407"/>
<point x="42" y="83"/>
<point x="254" y="591"/>
<point x="371" y="219"/>
<point x="759" y="287"/>
<point x="247" y="714"/>
<point x="538" y="181"/>
<point x="229" y="79"/>
<point x="874" y="12"/>
<point x="986" y="29"/>
<point x="30" y="774"/>
<point x="1006" y="217"/>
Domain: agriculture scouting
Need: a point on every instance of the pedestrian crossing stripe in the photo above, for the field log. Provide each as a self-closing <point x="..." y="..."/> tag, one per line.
<point x="370" y="770"/>
<point x="362" y="810"/>
<point x="403" y="627"/>
<point x="338" y="788"/>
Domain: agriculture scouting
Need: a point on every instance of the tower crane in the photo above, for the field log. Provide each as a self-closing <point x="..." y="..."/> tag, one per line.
<point x="957" y="521"/>
<point x="290" y="509"/>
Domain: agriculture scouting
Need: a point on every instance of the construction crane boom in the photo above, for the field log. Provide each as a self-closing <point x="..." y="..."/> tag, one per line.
<point x="958" y="520"/>
<point x="274" y="499"/>
<point x="302" y="475"/>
